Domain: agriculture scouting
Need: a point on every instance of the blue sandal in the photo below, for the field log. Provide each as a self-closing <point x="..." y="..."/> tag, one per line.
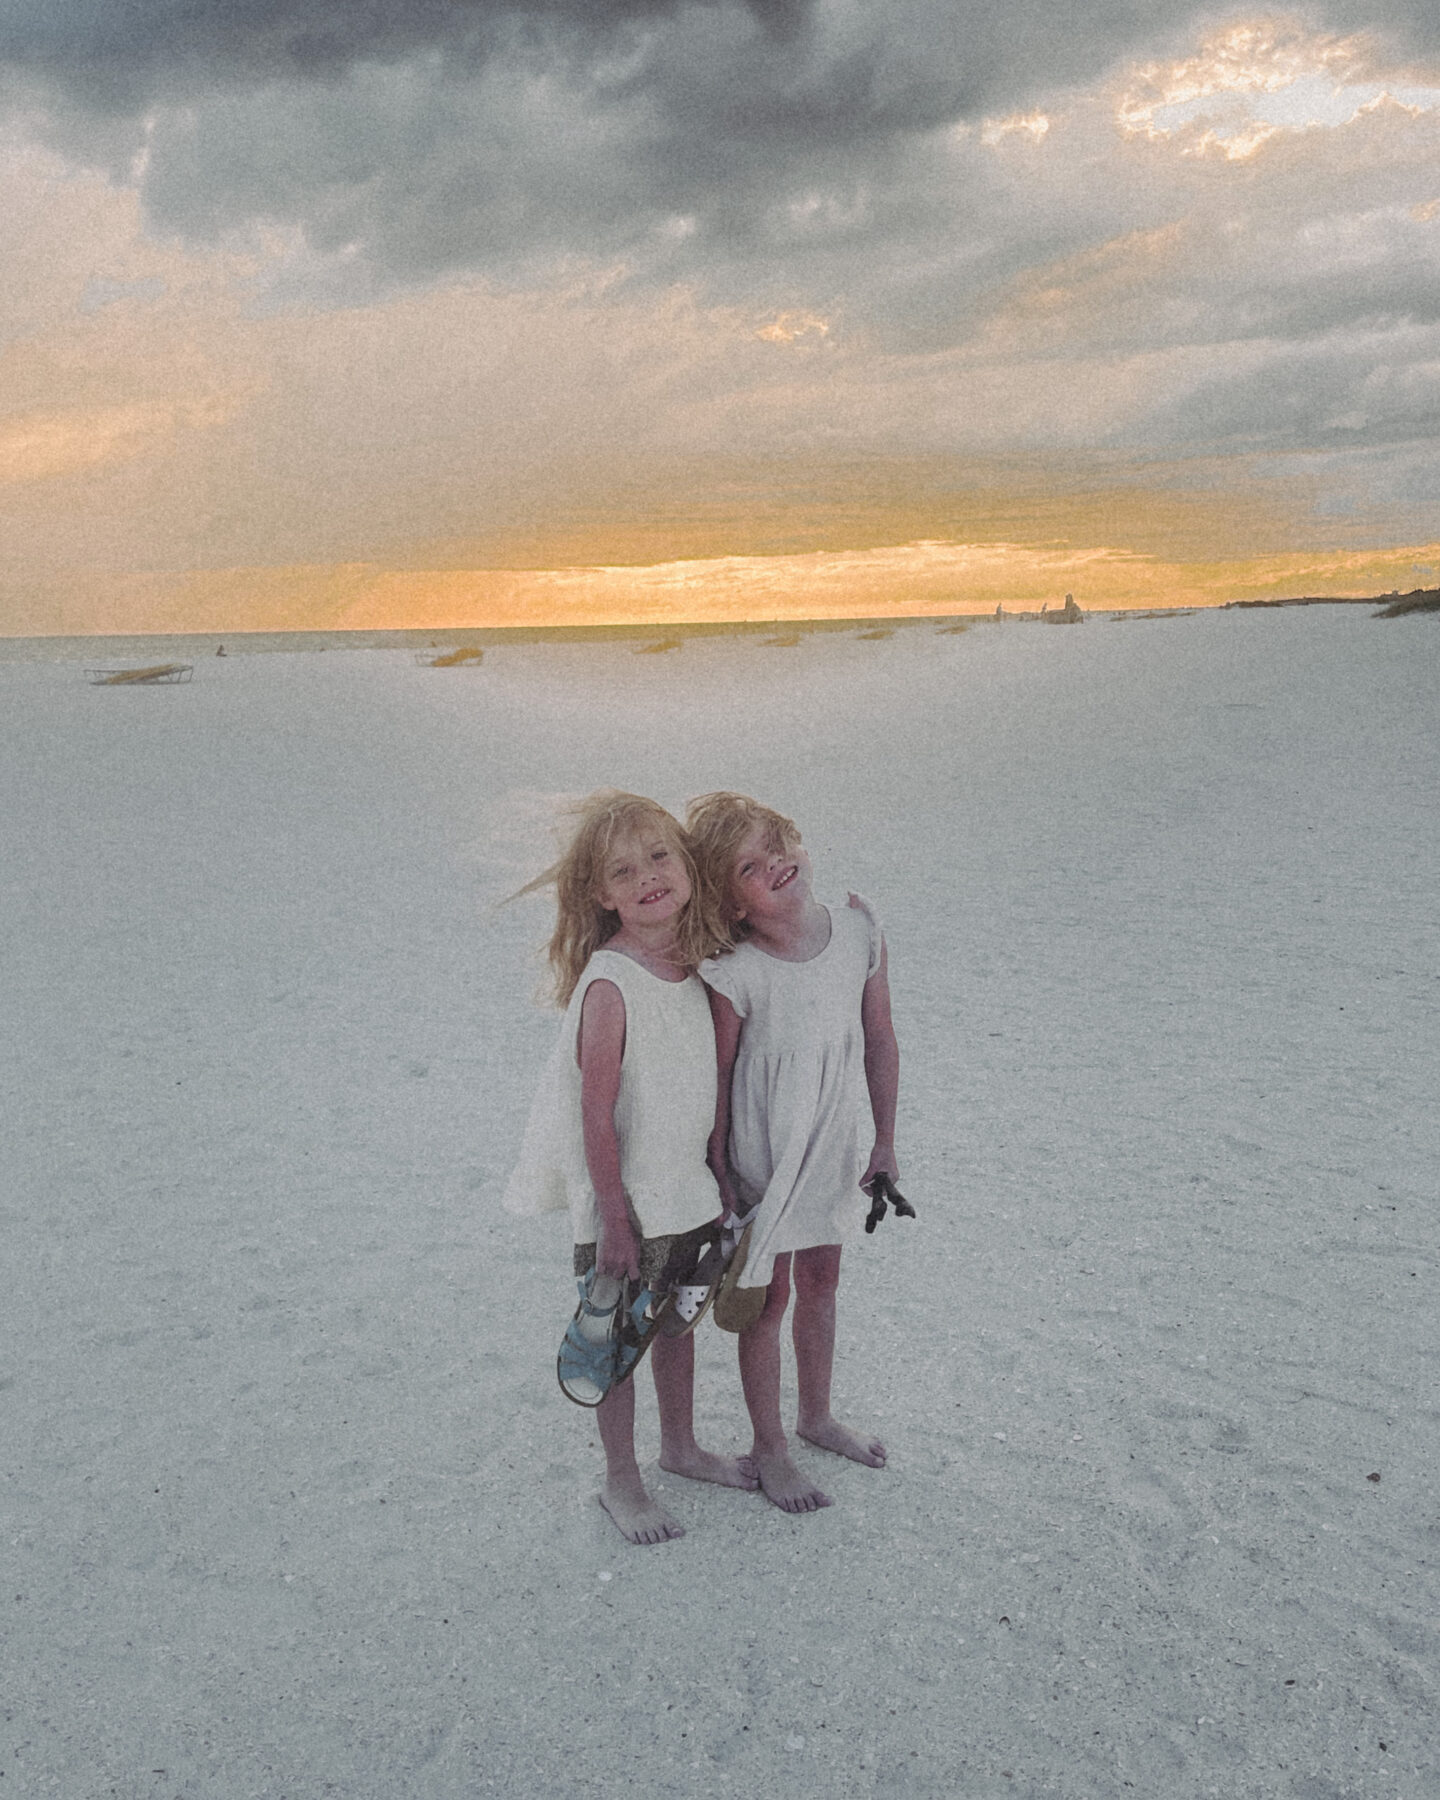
<point x="586" y="1367"/>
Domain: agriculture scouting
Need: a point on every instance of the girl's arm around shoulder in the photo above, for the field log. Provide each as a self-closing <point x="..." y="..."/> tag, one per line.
<point x="728" y="1026"/>
<point x="600" y="1051"/>
<point x="882" y="1068"/>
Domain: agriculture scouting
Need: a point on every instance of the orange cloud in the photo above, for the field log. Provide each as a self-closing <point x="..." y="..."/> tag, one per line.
<point x="787" y="326"/>
<point x="38" y="446"/>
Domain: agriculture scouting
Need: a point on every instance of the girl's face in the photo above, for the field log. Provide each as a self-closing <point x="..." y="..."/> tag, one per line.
<point x="643" y="880"/>
<point x="769" y="878"/>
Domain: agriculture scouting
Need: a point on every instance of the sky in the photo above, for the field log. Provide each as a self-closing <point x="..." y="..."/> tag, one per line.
<point x="324" y="315"/>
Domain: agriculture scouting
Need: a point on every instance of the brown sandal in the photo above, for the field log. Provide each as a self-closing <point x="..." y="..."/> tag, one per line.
<point x="737" y="1308"/>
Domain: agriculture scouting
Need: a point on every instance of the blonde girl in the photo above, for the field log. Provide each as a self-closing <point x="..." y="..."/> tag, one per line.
<point x="801" y="1002"/>
<point x="620" y="1130"/>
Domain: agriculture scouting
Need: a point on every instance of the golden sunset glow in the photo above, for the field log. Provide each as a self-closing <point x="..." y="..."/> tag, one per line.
<point x="903" y="581"/>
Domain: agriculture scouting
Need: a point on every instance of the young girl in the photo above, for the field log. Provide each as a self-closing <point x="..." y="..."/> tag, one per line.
<point x="802" y="1021"/>
<point x="620" y="1132"/>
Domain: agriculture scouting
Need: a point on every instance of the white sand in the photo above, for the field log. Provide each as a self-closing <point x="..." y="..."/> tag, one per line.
<point x="292" y="1505"/>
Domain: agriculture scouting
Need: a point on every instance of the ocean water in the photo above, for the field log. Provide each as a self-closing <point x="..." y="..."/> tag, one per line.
<point x="193" y="646"/>
<point x="197" y="646"/>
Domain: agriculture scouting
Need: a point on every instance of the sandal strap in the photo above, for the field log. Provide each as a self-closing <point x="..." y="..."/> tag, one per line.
<point x="597" y="1312"/>
<point x="588" y="1306"/>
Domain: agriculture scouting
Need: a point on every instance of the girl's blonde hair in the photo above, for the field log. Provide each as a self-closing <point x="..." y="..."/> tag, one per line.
<point x="582" y="925"/>
<point x="718" y="824"/>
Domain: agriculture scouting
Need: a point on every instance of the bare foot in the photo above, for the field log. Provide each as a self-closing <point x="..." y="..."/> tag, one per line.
<point x="703" y="1465"/>
<point x="830" y="1434"/>
<point x="637" y="1517"/>
<point x="784" y="1486"/>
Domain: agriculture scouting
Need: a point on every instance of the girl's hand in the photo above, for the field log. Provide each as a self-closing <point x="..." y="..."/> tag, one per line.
<point x="617" y="1253"/>
<point x="882" y="1162"/>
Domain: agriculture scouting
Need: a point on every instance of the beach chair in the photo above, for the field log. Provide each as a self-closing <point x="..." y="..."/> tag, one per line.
<point x="159" y="674"/>
<point x="468" y="658"/>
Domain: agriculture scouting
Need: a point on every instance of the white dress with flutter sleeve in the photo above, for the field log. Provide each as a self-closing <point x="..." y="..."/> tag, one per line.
<point x="798" y="1094"/>
<point x="664" y="1112"/>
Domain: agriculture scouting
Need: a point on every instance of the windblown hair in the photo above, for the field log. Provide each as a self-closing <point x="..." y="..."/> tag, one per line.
<point x="718" y="824"/>
<point x="582" y="925"/>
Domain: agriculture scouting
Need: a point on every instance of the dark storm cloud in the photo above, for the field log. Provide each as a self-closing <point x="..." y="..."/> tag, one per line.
<point x="450" y="134"/>
<point x="129" y="52"/>
<point x="765" y="147"/>
<point x="114" y="49"/>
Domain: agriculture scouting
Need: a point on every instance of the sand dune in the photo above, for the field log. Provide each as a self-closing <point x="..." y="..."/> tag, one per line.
<point x="293" y="1505"/>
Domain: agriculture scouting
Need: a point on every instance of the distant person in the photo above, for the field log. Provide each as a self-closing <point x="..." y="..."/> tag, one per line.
<point x="802" y="1022"/>
<point x="620" y="1132"/>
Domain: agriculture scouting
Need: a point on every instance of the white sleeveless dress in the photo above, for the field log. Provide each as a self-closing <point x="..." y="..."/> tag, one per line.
<point x="798" y="1092"/>
<point x="664" y="1113"/>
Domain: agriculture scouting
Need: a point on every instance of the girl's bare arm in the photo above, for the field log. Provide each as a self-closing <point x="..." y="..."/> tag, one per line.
<point x="882" y="1069"/>
<point x="601" y="1050"/>
<point x="728" y="1025"/>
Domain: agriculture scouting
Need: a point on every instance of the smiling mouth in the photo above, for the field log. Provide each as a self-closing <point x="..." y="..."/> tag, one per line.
<point x="786" y="878"/>
<point x="649" y="899"/>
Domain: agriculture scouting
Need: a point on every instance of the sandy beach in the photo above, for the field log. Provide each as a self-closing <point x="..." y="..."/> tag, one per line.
<point x="292" y="1504"/>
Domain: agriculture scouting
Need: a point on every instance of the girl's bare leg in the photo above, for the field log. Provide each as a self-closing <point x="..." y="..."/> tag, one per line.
<point x="636" y="1516"/>
<point x="782" y="1482"/>
<point x="817" y="1279"/>
<point x="673" y="1363"/>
